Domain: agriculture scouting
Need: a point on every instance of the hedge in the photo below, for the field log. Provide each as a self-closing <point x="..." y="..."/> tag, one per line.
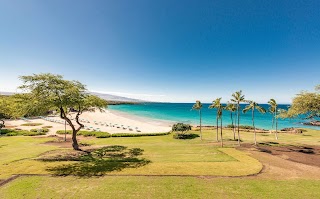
<point x="138" y="134"/>
<point x="43" y="130"/>
<point x="11" y="132"/>
<point x="98" y="134"/>
<point x="31" y="124"/>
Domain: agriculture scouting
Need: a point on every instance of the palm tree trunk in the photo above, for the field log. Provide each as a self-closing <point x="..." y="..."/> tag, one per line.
<point x="238" y="109"/>
<point x="217" y="127"/>
<point x="276" y="126"/>
<point x="254" y="128"/>
<point x="200" y="125"/>
<point x="221" y="132"/>
<point x="234" y="133"/>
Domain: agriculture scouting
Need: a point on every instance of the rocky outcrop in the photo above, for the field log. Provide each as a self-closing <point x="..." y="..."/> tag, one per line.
<point x="312" y="123"/>
<point x="291" y="130"/>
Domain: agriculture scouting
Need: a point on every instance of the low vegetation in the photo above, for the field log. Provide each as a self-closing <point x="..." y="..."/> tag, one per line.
<point x="31" y="124"/>
<point x="32" y="132"/>
<point x="99" y="134"/>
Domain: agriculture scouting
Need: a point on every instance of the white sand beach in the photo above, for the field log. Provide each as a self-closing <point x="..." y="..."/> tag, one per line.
<point x="106" y="121"/>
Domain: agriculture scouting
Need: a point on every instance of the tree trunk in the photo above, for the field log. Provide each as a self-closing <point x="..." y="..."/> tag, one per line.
<point x="221" y="132"/>
<point x="238" y="109"/>
<point x="75" y="144"/>
<point x="200" y="125"/>
<point x="254" y="128"/>
<point x="233" y="128"/>
<point x="217" y="128"/>
<point x="276" y="125"/>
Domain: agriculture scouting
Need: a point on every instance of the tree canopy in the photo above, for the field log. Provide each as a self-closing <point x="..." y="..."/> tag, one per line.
<point x="306" y="104"/>
<point x="47" y="91"/>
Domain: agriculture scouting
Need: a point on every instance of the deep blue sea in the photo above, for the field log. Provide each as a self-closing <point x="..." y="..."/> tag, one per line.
<point x="181" y="112"/>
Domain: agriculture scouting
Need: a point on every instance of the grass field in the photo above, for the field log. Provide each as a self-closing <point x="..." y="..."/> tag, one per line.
<point x="167" y="157"/>
<point x="158" y="187"/>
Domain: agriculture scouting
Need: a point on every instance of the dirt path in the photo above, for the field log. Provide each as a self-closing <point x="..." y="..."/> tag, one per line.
<point x="279" y="167"/>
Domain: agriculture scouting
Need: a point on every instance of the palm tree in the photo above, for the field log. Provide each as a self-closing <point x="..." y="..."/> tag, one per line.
<point x="216" y="104"/>
<point x="220" y="111"/>
<point x="198" y="106"/>
<point x="254" y="106"/>
<point x="238" y="98"/>
<point x="232" y="108"/>
<point x="273" y="110"/>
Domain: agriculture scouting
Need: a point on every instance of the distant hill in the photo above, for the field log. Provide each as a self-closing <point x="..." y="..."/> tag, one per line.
<point x="113" y="99"/>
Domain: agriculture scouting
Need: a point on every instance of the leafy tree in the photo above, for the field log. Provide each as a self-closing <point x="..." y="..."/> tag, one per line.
<point x="273" y="109"/>
<point x="232" y="108"/>
<point x="181" y="127"/>
<point x="238" y="97"/>
<point x="52" y="92"/>
<point x="254" y="106"/>
<point x="216" y="104"/>
<point x="198" y="106"/>
<point x="306" y="104"/>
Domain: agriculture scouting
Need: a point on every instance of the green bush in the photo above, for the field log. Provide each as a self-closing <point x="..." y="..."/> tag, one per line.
<point x="185" y="136"/>
<point x="181" y="127"/>
<point x="29" y="133"/>
<point x="87" y="133"/>
<point x="62" y="132"/>
<point x="31" y="124"/>
<point x="44" y="130"/>
<point x="46" y="127"/>
<point x="11" y="132"/>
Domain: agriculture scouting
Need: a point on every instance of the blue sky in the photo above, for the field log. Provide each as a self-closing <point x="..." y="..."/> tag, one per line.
<point x="168" y="50"/>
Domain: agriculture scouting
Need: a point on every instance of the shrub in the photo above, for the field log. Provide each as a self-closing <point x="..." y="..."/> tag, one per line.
<point x="11" y="132"/>
<point x="184" y="136"/>
<point x="181" y="127"/>
<point x="31" y="124"/>
<point x="88" y="133"/>
<point x="28" y="133"/>
<point x="102" y="135"/>
<point x="47" y="127"/>
<point x="44" y="130"/>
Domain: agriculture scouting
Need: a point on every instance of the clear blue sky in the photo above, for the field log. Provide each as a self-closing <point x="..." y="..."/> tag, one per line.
<point x="168" y="50"/>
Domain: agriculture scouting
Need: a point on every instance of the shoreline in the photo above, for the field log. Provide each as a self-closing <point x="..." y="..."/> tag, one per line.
<point x="147" y="120"/>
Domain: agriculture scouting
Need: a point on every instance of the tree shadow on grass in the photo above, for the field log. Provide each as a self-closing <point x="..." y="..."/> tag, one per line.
<point x="102" y="161"/>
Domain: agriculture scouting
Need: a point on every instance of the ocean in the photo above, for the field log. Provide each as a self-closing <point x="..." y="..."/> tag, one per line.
<point x="182" y="112"/>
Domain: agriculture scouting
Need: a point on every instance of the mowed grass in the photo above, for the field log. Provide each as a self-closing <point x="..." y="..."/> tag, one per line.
<point x="168" y="156"/>
<point x="157" y="187"/>
<point x="17" y="154"/>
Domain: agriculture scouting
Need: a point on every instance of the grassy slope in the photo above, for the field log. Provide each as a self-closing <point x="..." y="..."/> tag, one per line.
<point x="158" y="187"/>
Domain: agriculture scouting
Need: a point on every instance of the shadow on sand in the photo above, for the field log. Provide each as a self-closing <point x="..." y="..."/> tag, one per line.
<point x="101" y="161"/>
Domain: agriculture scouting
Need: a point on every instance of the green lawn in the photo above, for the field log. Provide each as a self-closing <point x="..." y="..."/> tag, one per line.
<point x="166" y="157"/>
<point x="158" y="187"/>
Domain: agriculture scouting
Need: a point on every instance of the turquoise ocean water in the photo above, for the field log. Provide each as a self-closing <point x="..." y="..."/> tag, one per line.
<point x="181" y="112"/>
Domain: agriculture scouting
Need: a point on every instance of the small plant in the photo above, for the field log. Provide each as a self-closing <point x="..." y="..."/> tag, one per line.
<point x="31" y="124"/>
<point x="46" y="127"/>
